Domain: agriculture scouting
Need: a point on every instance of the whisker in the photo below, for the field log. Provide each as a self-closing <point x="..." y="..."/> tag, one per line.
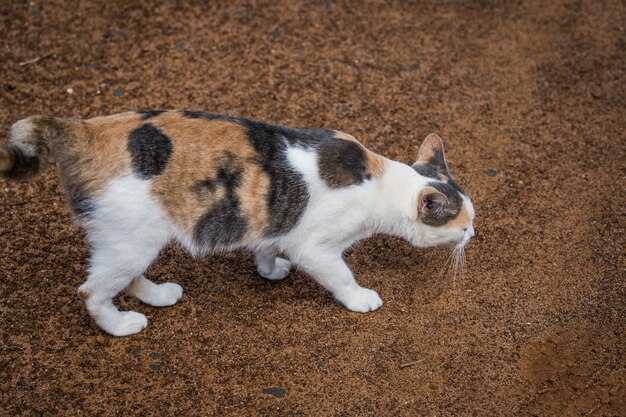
<point x="461" y="260"/>
<point x="456" y="263"/>
<point x="445" y="265"/>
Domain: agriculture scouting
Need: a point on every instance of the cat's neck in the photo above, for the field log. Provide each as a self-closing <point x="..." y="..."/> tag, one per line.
<point x="394" y="205"/>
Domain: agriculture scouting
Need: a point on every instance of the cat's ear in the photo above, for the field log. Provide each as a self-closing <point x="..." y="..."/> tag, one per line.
<point x="432" y="203"/>
<point x="431" y="153"/>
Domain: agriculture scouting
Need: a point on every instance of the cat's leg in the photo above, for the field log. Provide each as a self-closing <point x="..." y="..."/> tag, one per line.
<point x="127" y="231"/>
<point x="157" y="295"/>
<point x="331" y="271"/>
<point x="271" y="266"/>
<point x="112" y="270"/>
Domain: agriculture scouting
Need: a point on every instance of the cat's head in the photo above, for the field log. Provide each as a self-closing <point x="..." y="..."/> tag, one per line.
<point x="445" y="212"/>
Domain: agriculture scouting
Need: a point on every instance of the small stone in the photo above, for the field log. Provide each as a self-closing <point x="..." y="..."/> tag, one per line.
<point x="36" y="13"/>
<point x="118" y="92"/>
<point x="155" y="367"/>
<point x="413" y="67"/>
<point x="100" y="339"/>
<point x="345" y="110"/>
<point x="69" y="90"/>
<point x="490" y="172"/>
<point x="155" y="355"/>
<point x="181" y="46"/>
<point x="218" y="290"/>
<point x="446" y="144"/>
<point x="121" y="33"/>
<point x="135" y="352"/>
<point x="328" y="5"/>
<point x="276" y="33"/>
<point x="224" y="14"/>
<point x="275" y="391"/>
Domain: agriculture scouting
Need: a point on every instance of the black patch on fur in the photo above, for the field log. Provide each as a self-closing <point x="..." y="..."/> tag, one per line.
<point x="23" y="166"/>
<point x="205" y="186"/>
<point x="427" y="170"/>
<point x="80" y="204"/>
<point x="436" y="168"/>
<point x="209" y="116"/>
<point x="149" y="149"/>
<point x="453" y="208"/>
<point x="223" y="225"/>
<point x="288" y="193"/>
<point x="147" y="114"/>
<point x="342" y="163"/>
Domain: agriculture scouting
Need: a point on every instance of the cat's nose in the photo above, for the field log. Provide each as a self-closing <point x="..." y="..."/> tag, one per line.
<point x="470" y="231"/>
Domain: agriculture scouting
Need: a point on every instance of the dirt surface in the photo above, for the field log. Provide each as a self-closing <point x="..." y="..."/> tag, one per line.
<point x="534" y="91"/>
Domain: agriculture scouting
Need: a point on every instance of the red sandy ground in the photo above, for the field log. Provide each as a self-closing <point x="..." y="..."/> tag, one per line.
<point x="533" y="89"/>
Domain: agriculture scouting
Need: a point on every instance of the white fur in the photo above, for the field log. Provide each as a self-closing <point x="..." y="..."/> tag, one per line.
<point x="128" y="229"/>
<point x="21" y="133"/>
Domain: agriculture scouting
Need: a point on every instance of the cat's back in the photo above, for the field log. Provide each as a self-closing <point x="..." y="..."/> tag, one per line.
<point x="225" y="180"/>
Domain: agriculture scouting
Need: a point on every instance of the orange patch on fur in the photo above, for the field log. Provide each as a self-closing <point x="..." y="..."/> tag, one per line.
<point x="253" y="199"/>
<point x="6" y="162"/>
<point x="375" y="162"/>
<point x="198" y="147"/>
<point x="461" y="221"/>
<point x="427" y="149"/>
<point x="99" y="151"/>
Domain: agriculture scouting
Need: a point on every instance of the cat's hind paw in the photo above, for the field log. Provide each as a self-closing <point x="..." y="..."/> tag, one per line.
<point x="156" y="295"/>
<point x="167" y="294"/>
<point x="362" y="300"/>
<point x="280" y="271"/>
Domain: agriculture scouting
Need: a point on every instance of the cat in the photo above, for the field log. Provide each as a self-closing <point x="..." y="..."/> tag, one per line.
<point x="138" y="180"/>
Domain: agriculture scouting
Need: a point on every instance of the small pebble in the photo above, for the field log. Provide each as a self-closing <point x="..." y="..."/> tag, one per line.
<point x="413" y="67"/>
<point x="69" y="90"/>
<point x="118" y="92"/>
<point x="276" y="33"/>
<point x="181" y="46"/>
<point x="36" y="13"/>
<point x="329" y="5"/>
<point x="275" y="391"/>
<point x="490" y="172"/>
<point x="224" y="14"/>
<point x="121" y="33"/>
<point x="218" y="290"/>
<point x="346" y="110"/>
<point x="155" y="355"/>
<point x="135" y="352"/>
<point x="155" y="367"/>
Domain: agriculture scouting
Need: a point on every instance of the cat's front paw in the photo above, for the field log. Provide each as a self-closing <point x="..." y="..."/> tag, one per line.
<point x="361" y="300"/>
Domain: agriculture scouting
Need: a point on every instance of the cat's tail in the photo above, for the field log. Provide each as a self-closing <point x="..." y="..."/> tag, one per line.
<point x="31" y="143"/>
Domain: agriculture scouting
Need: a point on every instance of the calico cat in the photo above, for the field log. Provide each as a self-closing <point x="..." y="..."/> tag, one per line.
<point x="138" y="180"/>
